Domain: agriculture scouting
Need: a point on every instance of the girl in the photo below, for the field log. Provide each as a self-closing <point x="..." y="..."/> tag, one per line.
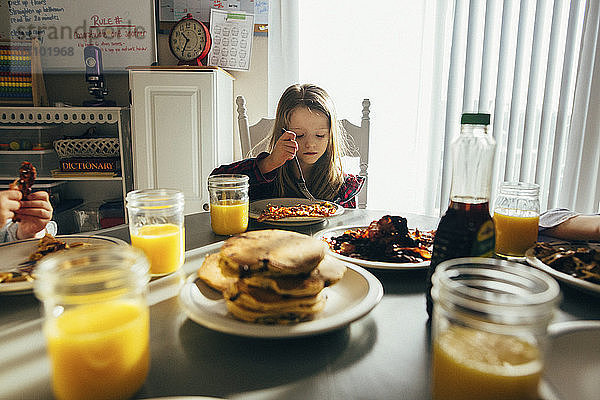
<point x="306" y="127"/>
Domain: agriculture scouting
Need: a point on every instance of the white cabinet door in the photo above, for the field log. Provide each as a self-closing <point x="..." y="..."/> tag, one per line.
<point x="182" y="125"/>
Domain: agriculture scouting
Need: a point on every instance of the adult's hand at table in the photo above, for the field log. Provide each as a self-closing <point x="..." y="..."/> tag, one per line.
<point x="34" y="213"/>
<point x="285" y="149"/>
<point x="9" y="203"/>
<point x="580" y="227"/>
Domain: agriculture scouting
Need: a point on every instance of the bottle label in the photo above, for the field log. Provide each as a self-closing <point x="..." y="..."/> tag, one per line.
<point x="485" y="240"/>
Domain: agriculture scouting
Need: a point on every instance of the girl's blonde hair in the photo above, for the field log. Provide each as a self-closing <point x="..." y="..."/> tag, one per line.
<point x="326" y="176"/>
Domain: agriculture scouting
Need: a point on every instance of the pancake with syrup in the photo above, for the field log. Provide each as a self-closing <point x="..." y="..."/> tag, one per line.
<point x="281" y="316"/>
<point x="261" y="295"/>
<point x="271" y="252"/>
<point x="328" y="272"/>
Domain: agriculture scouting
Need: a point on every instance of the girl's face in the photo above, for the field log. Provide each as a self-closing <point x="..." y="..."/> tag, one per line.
<point x="312" y="134"/>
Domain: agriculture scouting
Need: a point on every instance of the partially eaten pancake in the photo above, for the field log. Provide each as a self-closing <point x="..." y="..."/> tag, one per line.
<point x="328" y="271"/>
<point x="271" y="252"/>
<point x="211" y="273"/>
<point x="294" y="286"/>
<point x="288" y="315"/>
<point x="261" y="299"/>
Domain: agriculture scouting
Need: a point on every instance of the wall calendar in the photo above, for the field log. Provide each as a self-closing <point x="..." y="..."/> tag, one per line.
<point x="231" y="35"/>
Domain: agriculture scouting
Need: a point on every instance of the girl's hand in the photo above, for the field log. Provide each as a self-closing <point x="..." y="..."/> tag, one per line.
<point x="284" y="150"/>
<point x="35" y="213"/>
<point x="9" y="203"/>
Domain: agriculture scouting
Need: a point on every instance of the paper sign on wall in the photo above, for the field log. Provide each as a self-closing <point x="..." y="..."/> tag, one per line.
<point x="123" y="29"/>
<point x="231" y="35"/>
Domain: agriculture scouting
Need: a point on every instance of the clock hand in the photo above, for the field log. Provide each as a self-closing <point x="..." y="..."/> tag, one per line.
<point x="186" y="42"/>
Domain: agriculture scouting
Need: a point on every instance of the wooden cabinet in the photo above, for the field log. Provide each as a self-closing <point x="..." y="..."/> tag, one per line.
<point x="28" y="134"/>
<point x="182" y="128"/>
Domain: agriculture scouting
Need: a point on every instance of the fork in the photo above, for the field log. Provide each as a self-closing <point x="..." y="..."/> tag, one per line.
<point x="302" y="183"/>
<point x="19" y="268"/>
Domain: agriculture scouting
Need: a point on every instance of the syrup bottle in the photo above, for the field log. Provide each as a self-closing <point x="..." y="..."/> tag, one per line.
<point x="467" y="228"/>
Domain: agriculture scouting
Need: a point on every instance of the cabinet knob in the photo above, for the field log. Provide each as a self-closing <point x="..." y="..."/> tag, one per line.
<point x="205" y="206"/>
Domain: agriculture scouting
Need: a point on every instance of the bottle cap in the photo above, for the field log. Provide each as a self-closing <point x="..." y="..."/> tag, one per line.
<point x="475" y="119"/>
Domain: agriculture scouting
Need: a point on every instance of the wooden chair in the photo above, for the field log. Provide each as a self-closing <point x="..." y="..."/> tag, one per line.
<point x="254" y="139"/>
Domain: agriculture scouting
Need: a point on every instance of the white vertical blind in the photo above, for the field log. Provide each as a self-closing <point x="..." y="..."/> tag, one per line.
<point x="557" y="149"/>
<point x="581" y="160"/>
<point x="531" y="65"/>
<point x="548" y="120"/>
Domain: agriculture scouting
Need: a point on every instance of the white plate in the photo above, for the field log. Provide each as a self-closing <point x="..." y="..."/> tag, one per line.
<point x="354" y="296"/>
<point x="339" y="230"/>
<point x="573" y="360"/>
<point x="256" y="208"/>
<point x="561" y="276"/>
<point x="14" y="253"/>
<point x="186" y="398"/>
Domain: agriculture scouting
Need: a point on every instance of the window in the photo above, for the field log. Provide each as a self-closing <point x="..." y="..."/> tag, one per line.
<point x="531" y="64"/>
<point x="356" y="51"/>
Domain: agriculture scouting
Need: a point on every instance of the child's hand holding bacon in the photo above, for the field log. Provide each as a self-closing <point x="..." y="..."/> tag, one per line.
<point x="32" y="210"/>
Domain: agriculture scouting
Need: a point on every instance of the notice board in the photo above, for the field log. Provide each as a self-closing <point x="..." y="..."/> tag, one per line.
<point x="123" y="29"/>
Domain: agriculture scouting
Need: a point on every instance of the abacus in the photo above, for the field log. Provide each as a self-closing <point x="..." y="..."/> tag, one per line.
<point x="21" y="78"/>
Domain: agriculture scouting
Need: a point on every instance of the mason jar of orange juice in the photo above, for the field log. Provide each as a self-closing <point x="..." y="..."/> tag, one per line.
<point x="489" y="329"/>
<point x="96" y="320"/>
<point x="516" y="218"/>
<point x="228" y="203"/>
<point x="156" y="225"/>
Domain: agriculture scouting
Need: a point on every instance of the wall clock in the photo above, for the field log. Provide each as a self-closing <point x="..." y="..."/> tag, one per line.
<point x="189" y="41"/>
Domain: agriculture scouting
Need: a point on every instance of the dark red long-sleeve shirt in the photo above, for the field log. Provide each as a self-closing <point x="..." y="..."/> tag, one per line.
<point x="262" y="186"/>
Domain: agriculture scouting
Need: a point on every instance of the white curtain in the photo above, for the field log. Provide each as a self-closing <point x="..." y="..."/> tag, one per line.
<point x="532" y="64"/>
<point x="283" y="49"/>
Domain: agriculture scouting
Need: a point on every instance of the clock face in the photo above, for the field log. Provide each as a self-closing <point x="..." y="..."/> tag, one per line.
<point x="189" y="39"/>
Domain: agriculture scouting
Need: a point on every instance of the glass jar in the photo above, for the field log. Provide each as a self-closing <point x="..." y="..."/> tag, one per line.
<point x="489" y="328"/>
<point x="516" y="218"/>
<point x="96" y="320"/>
<point x="156" y="225"/>
<point x="228" y="203"/>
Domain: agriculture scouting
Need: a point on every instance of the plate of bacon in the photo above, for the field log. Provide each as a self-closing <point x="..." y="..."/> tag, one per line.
<point x="18" y="259"/>
<point x="293" y="211"/>
<point x="387" y="243"/>
<point x="576" y="264"/>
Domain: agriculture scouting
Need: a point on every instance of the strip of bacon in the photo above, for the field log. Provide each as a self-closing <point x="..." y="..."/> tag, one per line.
<point x="27" y="175"/>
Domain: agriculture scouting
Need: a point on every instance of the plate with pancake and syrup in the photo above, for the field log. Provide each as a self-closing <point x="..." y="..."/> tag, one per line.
<point x="277" y="284"/>
<point x="290" y="211"/>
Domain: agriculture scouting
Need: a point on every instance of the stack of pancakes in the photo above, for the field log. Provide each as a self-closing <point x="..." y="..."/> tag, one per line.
<point x="272" y="276"/>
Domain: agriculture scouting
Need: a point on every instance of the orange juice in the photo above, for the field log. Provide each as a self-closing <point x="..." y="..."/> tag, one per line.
<point x="229" y="217"/>
<point x="164" y="245"/>
<point x="99" y="351"/>
<point x="471" y="364"/>
<point x="515" y="234"/>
